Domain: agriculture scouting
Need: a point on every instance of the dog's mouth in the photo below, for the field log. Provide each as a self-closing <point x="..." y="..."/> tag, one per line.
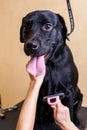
<point x="49" y="53"/>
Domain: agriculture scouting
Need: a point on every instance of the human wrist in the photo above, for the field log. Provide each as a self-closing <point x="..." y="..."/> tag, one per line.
<point x="37" y="79"/>
<point x="69" y="126"/>
<point x="36" y="82"/>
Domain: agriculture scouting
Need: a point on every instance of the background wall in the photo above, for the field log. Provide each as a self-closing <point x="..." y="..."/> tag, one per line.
<point x="14" y="80"/>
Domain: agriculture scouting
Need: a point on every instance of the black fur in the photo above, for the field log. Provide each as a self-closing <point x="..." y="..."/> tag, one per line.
<point x="45" y="33"/>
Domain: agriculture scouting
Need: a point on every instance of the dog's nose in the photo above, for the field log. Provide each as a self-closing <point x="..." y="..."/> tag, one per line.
<point x="33" y="45"/>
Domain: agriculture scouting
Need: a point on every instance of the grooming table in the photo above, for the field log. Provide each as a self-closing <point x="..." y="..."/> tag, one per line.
<point x="11" y="117"/>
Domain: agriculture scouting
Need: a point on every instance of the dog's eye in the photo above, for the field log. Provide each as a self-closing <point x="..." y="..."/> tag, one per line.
<point x="47" y="27"/>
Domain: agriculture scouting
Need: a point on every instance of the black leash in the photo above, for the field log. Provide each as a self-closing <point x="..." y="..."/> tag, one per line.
<point x="70" y="16"/>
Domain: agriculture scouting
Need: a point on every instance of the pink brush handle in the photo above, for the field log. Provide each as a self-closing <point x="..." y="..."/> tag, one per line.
<point x="53" y="100"/>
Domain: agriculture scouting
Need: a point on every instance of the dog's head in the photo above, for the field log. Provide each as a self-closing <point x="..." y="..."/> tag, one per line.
<point x="41" y="32"/>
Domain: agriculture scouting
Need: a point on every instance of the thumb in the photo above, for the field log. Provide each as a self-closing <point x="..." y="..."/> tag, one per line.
<point x="59" y="101"/>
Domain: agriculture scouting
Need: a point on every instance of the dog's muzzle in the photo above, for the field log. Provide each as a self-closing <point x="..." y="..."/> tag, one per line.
<point x="33" y="45"/>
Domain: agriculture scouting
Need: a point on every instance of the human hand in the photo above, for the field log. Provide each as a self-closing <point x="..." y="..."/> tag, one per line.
<point x="62" y="116"/>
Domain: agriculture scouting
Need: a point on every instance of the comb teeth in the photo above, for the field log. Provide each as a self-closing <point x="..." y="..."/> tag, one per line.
<point x="61" y="95"/>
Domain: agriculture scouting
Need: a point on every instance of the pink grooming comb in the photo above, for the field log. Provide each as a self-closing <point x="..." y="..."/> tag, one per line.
<point x="53" y="99"/>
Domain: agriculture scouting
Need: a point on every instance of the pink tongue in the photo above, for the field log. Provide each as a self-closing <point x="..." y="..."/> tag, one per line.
<point x="36" y="66"/>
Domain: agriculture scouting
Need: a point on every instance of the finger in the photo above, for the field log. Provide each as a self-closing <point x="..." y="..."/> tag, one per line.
<point x="59" y="103"/>
<point x="59" y="107"/>
<point x="53" y="106"/>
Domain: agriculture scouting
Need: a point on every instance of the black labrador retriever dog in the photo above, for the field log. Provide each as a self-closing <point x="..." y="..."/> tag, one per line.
<point x="45" y="33"/>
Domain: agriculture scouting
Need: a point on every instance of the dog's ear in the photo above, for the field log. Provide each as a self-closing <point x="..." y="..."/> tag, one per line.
<point x="21" y="32"/>
<point x="63" y="24"/>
